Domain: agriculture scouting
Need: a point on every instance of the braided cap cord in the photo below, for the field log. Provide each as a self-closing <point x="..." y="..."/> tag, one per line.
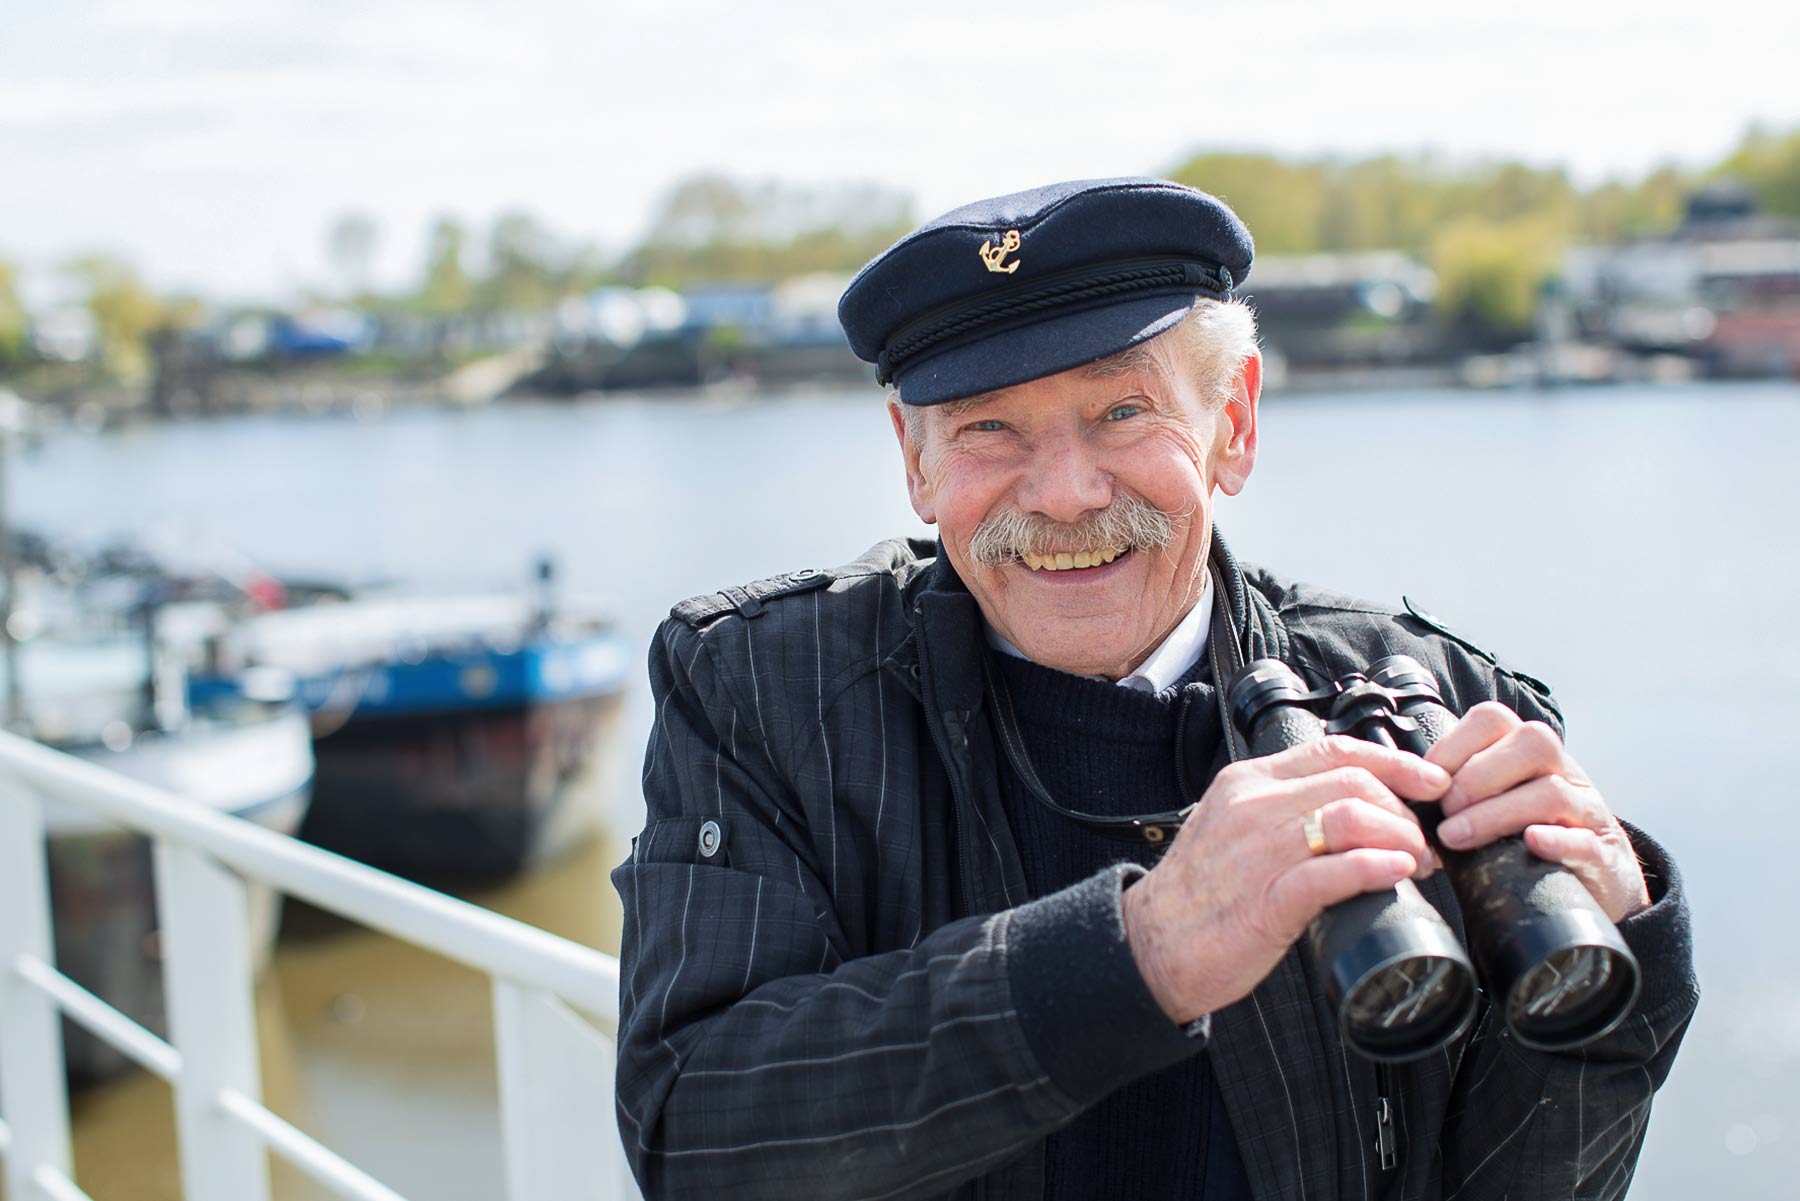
<point x="1073" y="289"/>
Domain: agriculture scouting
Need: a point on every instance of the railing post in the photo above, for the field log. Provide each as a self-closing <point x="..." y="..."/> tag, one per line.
<point x="34" y="1097"/>
<point x="557" y="1122"/>
<point x="210" y="986"/>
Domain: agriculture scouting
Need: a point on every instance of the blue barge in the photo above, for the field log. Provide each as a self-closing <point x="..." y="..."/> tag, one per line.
<point x="455" y="738"/>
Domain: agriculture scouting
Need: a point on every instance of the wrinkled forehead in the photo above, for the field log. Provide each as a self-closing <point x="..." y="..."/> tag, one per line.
<point x="1149" y="362"/>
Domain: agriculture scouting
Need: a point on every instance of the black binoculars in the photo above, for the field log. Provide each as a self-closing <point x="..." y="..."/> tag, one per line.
<point x="1402" y="984"/>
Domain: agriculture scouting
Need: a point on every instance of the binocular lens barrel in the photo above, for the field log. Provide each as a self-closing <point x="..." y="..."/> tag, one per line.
<point x="1400" y="981"/>
<point x="1403" y="986"/>
<point x="1548" y="954"/>
<point x="1570" y="996"/>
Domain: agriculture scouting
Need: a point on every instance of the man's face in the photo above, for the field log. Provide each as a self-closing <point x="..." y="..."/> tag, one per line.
<point x="1064" y="454"/>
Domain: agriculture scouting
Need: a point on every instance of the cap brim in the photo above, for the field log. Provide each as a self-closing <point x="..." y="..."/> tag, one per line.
<point x="1029" y="352"/>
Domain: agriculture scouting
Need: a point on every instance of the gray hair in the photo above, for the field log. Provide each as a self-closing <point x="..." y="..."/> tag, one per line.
<point x="1219" y="337"/>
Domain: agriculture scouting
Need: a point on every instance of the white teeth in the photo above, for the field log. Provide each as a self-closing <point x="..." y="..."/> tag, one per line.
<point x="1072" y="562"/>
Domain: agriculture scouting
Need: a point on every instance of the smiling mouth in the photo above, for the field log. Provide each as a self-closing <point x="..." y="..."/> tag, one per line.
<point x="1073" y="562"/>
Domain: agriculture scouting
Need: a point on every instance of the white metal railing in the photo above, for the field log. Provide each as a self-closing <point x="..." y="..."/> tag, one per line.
<point x="555" y="1063"/>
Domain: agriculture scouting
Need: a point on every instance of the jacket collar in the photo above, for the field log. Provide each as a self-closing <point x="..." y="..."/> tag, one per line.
<point x="947" y="628"/>
<point x="1236" y="595"/>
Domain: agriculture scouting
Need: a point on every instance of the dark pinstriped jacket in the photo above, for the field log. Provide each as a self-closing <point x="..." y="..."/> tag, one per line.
<point x="825" y="920"/>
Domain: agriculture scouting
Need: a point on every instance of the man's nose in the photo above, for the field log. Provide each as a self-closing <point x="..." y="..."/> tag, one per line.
<point x="1065" y="481"/>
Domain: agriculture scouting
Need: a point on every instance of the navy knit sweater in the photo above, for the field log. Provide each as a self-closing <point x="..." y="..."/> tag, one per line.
<point x="1106" y="750"/>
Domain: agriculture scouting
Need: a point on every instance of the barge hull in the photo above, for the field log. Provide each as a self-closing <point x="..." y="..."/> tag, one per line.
<point x="462" y="795"/>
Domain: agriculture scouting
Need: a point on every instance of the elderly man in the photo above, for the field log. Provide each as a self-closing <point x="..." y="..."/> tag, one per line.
<point x="906" y="919"/>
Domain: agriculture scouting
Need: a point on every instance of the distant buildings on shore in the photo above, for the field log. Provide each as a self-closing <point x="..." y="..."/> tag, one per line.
<point x="1723" y="289"/>
<point x="1717" y="296"/>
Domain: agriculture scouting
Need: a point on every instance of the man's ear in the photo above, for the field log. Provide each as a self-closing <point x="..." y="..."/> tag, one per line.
<point x="918" y="490"/>
<point x="1232" y="464"/>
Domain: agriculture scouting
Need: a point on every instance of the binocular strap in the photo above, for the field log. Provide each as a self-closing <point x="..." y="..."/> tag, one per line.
<point x="1227" y="660"/>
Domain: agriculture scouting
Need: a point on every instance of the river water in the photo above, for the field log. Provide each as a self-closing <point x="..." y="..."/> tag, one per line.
<point x="1637" y="548"/>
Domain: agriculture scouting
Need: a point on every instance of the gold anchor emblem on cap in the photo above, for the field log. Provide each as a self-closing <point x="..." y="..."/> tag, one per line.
<point x="992" y="254"/>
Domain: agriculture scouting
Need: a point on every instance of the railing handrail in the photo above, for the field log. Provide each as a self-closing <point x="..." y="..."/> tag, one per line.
<point x="582" y="976"/>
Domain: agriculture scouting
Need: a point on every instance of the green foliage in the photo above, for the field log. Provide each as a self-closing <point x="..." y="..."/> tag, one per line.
<point x="1381" y="203"/>
<point x="523" y="271"/>
<point x="446" y="287"/>
<point x="1283" y="203"/>
<point x="125" y="312"/>
<point x="1489" y="272"/>
<point x="1494" y="232"/>
<point x="1768" y="164"/>
<point x="712" y="229"/>
<point x="523" y="267"/>
<point x="12" y="317"/>
<point x="1616" y="210"/>
<point x="1505" y="192"/>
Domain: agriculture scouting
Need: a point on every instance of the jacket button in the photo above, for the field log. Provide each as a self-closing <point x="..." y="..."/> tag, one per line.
<point x="710" y="837"/>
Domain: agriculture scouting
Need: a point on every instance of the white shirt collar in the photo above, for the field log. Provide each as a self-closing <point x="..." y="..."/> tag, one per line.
<point x="1168" y="662"/>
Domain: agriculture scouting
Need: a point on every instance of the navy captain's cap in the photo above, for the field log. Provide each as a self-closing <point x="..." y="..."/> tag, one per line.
<point x="1018" y="287"/>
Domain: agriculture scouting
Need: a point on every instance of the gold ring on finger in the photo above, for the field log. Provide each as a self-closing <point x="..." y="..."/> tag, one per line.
<point x="1314" y="829"/>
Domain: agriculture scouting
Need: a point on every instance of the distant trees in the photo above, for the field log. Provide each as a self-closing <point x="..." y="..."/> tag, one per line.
<point x="1617" y="210"/>
<point x="713" y="228"/>
<point x="1282" y="202"/>
<point x="707" y="228"/>
<point x="446" y="287"/>
<point x="126" y="313"/>
<point x="1768" y="163"/>
<point x="1494" y="233"/>
<point x="519" y="265"/>
<point x="527" y="268"/>
<point x="1489" y="272"/>
<point x="12" y="316"/>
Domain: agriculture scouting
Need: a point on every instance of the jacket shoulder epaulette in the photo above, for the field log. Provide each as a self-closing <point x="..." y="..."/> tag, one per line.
<point x="1430" y="622"/>
<point x="897" y="561"/>
<point x="1329" y="617"/>
<point x="750" y="600"/>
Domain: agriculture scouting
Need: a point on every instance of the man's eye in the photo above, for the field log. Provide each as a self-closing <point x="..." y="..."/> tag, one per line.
<point x="986" y="427"/>
<point x="1121" y="412"/>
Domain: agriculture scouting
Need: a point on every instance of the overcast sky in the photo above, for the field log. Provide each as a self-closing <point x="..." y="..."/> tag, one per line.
<point x="212" y="141"/>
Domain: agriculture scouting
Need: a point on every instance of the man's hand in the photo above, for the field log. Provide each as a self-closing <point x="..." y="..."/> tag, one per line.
<point x="1239" y="883"/>
<point x="1511" y="776"/>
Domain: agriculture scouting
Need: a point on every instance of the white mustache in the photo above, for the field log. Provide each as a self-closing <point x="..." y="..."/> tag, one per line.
<point x="1126" y="522"/>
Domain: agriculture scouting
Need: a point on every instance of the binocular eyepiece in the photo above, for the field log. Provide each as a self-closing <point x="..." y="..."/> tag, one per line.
<point x="1400" y="980"/>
